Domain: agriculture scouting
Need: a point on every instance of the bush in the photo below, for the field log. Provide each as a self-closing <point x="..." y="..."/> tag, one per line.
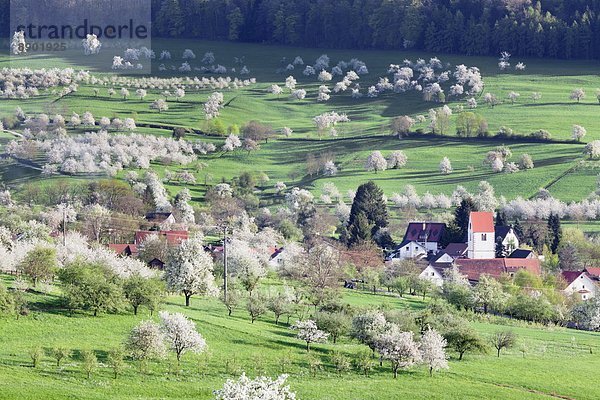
<point x="541" y="134"/>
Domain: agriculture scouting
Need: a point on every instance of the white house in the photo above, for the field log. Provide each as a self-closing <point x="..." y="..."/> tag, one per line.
<point x="276" y="257"/>
<point x="409" y="249"/>
<point x="506" y="235"/>
<point x="433" y="275"/>
<point x="482" y="238"/>
<point x="420" y="240"/>
<point x="579" y="284"/>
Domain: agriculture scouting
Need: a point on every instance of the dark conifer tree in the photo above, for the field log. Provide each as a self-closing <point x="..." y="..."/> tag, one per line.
<point x="554" y="232"/>
<point x="367" y="215"/>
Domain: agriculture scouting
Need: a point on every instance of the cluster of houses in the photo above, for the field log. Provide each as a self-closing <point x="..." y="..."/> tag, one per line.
<point x="474" y="257"/>
<point x="477" y="255"/>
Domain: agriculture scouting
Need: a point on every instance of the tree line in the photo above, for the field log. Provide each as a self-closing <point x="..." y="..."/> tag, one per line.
<point x="557" y="29"/>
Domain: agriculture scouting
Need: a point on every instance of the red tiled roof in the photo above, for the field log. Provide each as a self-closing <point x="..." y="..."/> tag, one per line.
<point x="495" y="267"/>
<point x="482" y="221"/>
<point x="421" y="231"/>
<point x="121" y="248"/>
<point x="173" y="237"/>
<point x="593" y="271"/>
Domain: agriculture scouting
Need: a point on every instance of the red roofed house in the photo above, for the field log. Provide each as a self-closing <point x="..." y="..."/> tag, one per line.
<point x="580" y="284"/>
<point x="174" y="238"/>
<point x="481" y="239"/>
<point x="496" y="267"/>
<point x="125" y="249"/>
<point x="593" y="272"/>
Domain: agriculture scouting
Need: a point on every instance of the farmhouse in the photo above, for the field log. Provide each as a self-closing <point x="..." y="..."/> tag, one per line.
<point x="421" y="240"/>
<point x="579" y="284"/>
<point x="161" y="220"/>
<point x="124" y="249"/>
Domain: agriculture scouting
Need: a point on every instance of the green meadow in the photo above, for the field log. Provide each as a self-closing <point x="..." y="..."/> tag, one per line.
<point x="546" y="362"/>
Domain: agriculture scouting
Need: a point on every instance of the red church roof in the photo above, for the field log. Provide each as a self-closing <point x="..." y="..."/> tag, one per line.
<point x="482" y="221"/>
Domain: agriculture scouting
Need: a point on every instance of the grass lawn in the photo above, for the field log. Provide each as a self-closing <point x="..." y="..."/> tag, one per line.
<point x="557" y="362"/>
<point x="284" y="159"/>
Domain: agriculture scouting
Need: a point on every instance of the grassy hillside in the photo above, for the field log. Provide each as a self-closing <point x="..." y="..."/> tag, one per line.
<point x="284" y="159"/>
<point x="235" y="344"/>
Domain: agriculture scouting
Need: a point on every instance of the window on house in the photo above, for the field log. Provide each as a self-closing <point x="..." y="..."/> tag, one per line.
<point x="484" y="236"/>
<point x="407" y="248"/>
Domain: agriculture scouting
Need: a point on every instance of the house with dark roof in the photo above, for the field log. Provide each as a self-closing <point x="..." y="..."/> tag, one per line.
<point x="155" y="263"/>
<point x="420" y="240"/>
<point x="161" y="220"/>
<point x="579" y="284"/>
<point x="522" y="253"/>
<point x="506" y="236"/>
<point x="451" y="253"/>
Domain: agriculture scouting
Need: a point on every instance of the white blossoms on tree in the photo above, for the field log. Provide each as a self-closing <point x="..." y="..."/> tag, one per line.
<point x="179" y="94"/>
<point x="329" y="168"/>
<point x="124" y="93"/>
<point x="592" y="149"/>
<point x="520" y="66"/>
<point x="190" y="270"/>
<point x="526" y="162"/>
<point x="577" y="94"/>
<point x="146" y="341"/>
<point x="497" y="164"/>
<point x="181" y="334"/>
<point x="129" y="124"/>
<point x="260" y="388"/>
<point x="188" y="54"/>
<point x="141" y="93"/>
<point x="308" y="331"/>
<point x="324" y="76"/>
<point x="578" y="132"/>
<point x="433" y="351"/>
<point x="275" y="89"/>
<point x="298" y="94"/>
<point x="445" y="166"/>
<point x="91" y="45"/>
<point x="212" y="107"/>
<point x="397" y="159"/>
<point x="160" y="105"/>
<point x="398" y="347"/>
<point x="287" y="132"/>
<point x="513" y="96"/>
<point x="87" y="119"/>
<point x="376" y="162"/>
<point x="231" y="143"/>
<point x="280" y="187"/>
<point x="18" y="44"/>
<point x="290" y="83"/>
